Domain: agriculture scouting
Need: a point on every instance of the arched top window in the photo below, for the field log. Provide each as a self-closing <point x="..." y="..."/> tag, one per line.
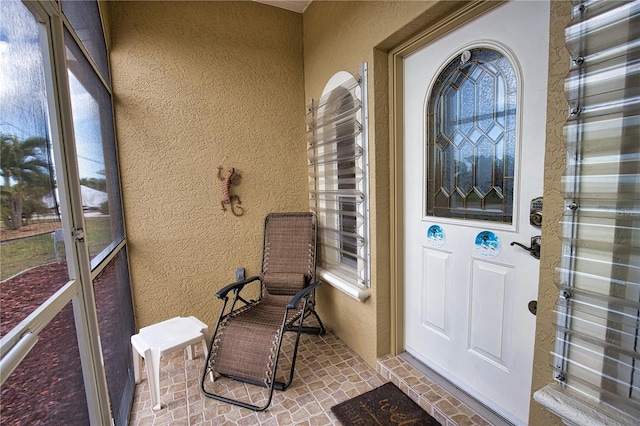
<point x="338" y="193"/>
<point x="471" y="138"/>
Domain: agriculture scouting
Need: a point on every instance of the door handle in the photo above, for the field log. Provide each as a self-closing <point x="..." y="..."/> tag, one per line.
<point x="534" y="250"/>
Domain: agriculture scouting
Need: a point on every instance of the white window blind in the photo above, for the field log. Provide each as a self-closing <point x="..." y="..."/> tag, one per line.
<point x="337" y="154"/>
<point x="598" y="311"/>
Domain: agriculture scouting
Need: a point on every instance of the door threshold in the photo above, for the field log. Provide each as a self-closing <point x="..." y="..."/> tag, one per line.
<point x="445" y="401"/>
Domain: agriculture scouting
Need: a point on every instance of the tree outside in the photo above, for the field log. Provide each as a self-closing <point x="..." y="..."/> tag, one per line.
<point x="26" y="178"/>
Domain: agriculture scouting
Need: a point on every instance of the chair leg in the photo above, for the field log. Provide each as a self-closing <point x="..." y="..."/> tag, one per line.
<point x="306" y="311"/>
<point x="295" y="355"/>
<point x="315" y="314"/>
<point x="320" y="331"/>
<point x="152" y="363"/>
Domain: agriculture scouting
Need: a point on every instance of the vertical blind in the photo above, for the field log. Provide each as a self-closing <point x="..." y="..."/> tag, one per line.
<point x="337" y="153"/>
<point x="598" y="309"/>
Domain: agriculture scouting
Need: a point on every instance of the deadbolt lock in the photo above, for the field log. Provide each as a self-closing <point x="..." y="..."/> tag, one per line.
<point x="535" y="212"/>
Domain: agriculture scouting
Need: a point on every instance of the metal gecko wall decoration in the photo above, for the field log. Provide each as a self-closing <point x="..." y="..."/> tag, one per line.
<point x="232" y="177"/>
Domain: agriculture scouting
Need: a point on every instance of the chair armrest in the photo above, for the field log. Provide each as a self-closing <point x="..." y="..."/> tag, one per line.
<point x="222" y="293"/>
<point x="302" y="293"/>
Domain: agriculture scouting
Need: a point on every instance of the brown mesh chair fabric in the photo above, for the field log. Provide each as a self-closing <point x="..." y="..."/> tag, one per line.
<point x="246" y="349"/>
<point x="289" y="245"/>
<point x="282" y="283"/>
<point x="247" y="339"/>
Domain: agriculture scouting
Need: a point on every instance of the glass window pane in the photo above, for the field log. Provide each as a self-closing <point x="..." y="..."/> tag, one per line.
<point x="84" y="17"/>
<point x="345" y="149"/>
<point x="115" y="320"/>
<point x="471" y="146"/>
<point x="47" y="388"/>
<point x="32" y="255"/>
<point x="96" y="153"/>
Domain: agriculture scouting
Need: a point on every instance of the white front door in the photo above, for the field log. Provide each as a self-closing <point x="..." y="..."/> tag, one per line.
<point x="474" y="136"/>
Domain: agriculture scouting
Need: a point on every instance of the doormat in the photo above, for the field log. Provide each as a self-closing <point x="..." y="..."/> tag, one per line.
<point x="386" y="405"/>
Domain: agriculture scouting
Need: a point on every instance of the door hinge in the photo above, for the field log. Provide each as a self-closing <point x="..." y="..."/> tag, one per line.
<point x="78" y="234"/>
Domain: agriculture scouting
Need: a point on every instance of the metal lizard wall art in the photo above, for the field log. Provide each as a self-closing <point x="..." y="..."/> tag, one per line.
<point x="231" y="178"/>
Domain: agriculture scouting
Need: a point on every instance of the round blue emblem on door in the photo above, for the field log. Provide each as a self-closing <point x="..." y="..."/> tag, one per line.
<point x="435" y="236"/>
<point x="487" y="244"/>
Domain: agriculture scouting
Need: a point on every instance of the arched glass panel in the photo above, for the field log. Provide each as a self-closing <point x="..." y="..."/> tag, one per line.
<point x="471" y="138"/>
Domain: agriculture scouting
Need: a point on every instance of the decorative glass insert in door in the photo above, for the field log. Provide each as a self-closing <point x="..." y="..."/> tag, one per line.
<point x="471" y="138"/>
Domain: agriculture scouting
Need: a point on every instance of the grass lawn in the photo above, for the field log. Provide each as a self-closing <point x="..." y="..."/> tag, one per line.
<point x="19" y="255"/>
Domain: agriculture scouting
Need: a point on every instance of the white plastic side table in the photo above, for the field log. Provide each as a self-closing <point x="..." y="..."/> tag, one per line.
<point x="156" y="340"/>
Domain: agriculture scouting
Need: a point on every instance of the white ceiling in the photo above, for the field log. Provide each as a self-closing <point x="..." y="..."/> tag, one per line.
<point x="293" y="5"/>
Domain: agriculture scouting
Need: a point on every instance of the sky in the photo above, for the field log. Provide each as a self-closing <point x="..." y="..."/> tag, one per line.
<point x="23" y="101"/>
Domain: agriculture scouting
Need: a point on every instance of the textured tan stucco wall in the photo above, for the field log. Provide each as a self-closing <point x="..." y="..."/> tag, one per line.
<point x="339" y="35"/>
<point x="199" y="85"/>
<point x="555" y="163"/>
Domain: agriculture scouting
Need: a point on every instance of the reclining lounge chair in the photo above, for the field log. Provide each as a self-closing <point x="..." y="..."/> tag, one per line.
<point x="246" y="344"/>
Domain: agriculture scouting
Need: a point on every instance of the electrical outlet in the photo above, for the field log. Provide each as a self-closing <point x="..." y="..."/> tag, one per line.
<point x="239" y="274"/>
